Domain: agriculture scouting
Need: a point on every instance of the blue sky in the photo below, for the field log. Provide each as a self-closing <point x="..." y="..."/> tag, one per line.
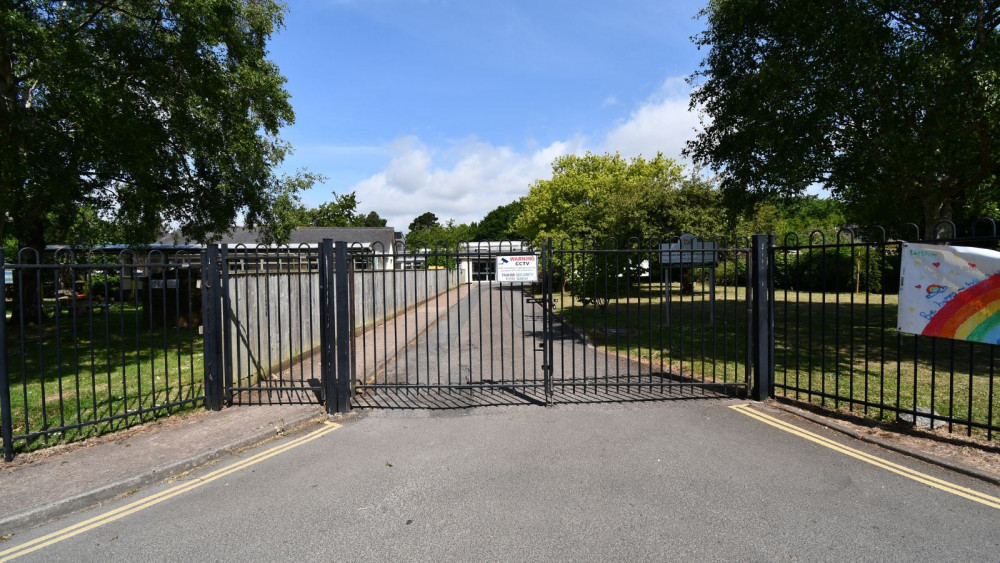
<point x="456" y="107"/>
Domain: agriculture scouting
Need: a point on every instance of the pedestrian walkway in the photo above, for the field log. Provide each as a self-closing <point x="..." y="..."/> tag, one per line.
<point x="41" y="485"/>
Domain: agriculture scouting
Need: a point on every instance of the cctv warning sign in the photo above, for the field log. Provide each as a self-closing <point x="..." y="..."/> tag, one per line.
<point x="518" y="268"/>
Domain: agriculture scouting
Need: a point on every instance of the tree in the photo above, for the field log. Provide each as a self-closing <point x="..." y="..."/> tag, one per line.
<point x="606" y="200"/>
<point x="441" y="241"/>
<point x="606" y="196"/>
<point x="372" y="219"/>
<point x="796" y="214"/>
<point x="423" y="222"/>
<point x="499" y="223"/>
<point x="337" y="213"/>
<point x="892" y="104"/>
<point x="143" y="111"/>
<point x="288" y="212"/>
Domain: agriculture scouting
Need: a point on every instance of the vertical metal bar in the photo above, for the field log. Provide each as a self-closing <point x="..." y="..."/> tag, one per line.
<point x="353" y="319"/>
<point x="547" y="320"/>
<point x="344" y="306"/>
<point x="206" y="330"/>
<point x="763" y="375"/>
<point x="326" y="326"/>
<point x="210" y="314"/>
<point x="6" y="421"/>
<point x="227" y="326"/>
<point x="770" y="312"/>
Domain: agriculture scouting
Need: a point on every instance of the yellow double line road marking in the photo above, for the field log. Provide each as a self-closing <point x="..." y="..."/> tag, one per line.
<point x="152" y="500"/>
<point x="874" y="460"/>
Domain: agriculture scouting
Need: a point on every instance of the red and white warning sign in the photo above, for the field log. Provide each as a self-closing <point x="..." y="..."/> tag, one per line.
<point x="517" y="268"/>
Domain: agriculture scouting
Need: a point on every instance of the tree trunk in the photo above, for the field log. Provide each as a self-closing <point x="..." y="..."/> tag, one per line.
<point x="937" y="209"/>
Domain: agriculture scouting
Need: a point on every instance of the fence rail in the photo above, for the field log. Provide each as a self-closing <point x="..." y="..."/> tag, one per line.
<point x="97" y="342"/>
<point x="100" y="341"/>
<point x="837" y="346"/>
<point x="653" y="318"/>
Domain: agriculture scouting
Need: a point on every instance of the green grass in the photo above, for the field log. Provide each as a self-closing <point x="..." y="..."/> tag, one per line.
<point x="116" y="367"/>
<point x="839" y="351"/>
<point x="682" y="338"/>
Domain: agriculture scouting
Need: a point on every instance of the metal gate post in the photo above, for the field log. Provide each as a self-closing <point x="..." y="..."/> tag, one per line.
<point x="227" y="328"/>
<point x="345" y="365"/>
<point x="762" y="324"/>
<point x="326" y="327"/>
<point x="212" y="339"/>
<point x="547" y="319"/>
<point x="6" y="422"/>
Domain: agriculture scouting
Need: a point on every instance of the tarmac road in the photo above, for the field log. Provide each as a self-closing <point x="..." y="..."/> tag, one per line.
<point x="491" y="335"/>
<point x="673" y="480"/>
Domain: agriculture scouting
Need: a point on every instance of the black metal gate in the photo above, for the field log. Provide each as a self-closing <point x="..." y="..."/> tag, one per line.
<point x="446" y="326"/>
<point x="395" y="328"/>
<point x="649" y="320"/>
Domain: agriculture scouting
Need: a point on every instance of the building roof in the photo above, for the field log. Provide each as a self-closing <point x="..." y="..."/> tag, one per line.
<point x="381" y="237"/>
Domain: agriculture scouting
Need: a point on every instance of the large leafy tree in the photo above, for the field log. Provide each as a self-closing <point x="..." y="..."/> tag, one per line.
<point x="892" y="104"/>
<point x="609" y="201"/>
<point x="142" y="112"/>
<point x="289" y="212"/>
<point x="499" y="223"/>
<point x="423" y="222"/>
<point x="607" y="196"/>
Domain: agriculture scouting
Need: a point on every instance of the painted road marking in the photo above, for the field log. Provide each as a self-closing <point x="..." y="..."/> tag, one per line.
<point x="152" y="500"/>
<point x="913" y="474"/>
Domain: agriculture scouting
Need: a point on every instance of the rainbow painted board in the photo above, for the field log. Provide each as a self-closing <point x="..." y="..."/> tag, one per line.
<point x="950" y="292"/>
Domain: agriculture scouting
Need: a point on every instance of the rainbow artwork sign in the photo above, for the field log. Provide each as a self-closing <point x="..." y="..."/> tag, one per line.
<point x="950" y="292"/>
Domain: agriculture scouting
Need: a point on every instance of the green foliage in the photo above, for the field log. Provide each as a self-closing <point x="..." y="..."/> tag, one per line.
<point x="892" y="105"/>
<point x="592" y="279"/>
<point x="288" y="212"/>
<point x="443" y="239"/>
<point x="104" y="284"/>
<point x="340" y="212"/>
<point x="372" y="219"/>
<point x="423" y="222"/>
<point x="801" y="215"/>
<point x="601" y="196"/>
<point x="499" y="223"/>
<point x="143" y="112"/>
<point x="838" y="269"/>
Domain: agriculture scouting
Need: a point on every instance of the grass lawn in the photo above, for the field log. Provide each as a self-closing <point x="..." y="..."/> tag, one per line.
<point x="840" y="351"/>
<point x="109" y="365"/>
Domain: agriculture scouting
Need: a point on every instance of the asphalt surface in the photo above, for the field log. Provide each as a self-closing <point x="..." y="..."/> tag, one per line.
<point x="668" y="480"/>
<point x="667" y="473"/>
<point x="491" y="336"/>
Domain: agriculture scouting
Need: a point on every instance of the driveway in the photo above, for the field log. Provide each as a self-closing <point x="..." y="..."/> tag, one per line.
<point x="671" y="480"/>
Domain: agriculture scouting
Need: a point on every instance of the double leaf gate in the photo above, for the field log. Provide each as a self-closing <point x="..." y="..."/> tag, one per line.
<point x="375" y="327"/>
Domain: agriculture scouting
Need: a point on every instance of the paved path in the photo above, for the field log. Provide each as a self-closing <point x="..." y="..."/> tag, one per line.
<point x="676" y="480"/>
<point x="490" y="337"/>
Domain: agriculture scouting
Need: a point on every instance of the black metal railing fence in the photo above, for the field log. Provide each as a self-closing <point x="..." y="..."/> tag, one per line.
<point x="95" y="342"/>
<point x="655" y="315"/>
<point x="836" y="300"/>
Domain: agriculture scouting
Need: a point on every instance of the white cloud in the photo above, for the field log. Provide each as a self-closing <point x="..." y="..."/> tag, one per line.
<point x="462" y="183"/>
<point x="662" y="123"/>
<point x="468" y="179"/>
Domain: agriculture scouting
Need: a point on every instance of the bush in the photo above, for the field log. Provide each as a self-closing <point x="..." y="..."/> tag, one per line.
<point x="838" y="269"/>
<point x="103" y="285"/>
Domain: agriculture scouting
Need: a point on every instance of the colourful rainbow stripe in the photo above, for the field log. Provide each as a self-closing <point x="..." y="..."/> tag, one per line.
<point x="973" y="314"/>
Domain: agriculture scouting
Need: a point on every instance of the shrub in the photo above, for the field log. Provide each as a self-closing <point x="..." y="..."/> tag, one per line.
<point x="103" y="285"/>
